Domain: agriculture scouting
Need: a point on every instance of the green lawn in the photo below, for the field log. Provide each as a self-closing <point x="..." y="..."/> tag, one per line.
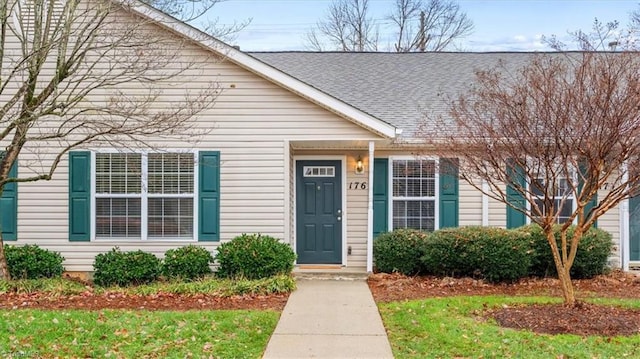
<point x="451" y="328"/>
<point x="131" y="334"/>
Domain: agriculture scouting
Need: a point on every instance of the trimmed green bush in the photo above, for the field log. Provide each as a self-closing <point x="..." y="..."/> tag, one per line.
<point x="254" y="256"/>
<point x="591" y="259"/>
<point x="399" y="251"/>
<point x="187" y="263"/>
<point x="125" y="268"/>
<point x="33" y="262"/>
<point x="447" y="253"/>
<point x="495" y="254"/>
<point x="501" y="255"/>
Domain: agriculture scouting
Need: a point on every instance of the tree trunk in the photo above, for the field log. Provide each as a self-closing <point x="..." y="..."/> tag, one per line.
<point x="564" y="274"/>
<point x="567" y="286"/>
<point x="4" y="268"/>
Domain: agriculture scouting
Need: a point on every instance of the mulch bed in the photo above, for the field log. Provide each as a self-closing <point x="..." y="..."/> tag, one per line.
<point x="582" y="319"/>
<point x="161" y="301"/>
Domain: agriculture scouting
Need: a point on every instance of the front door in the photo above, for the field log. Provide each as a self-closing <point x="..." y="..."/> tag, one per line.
<point x="319" y="212"/>
<point x="634" y="228"/>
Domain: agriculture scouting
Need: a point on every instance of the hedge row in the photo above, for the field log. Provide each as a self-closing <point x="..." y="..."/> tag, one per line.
<point x="494" y="254"/>
<point x="250" y="256"/>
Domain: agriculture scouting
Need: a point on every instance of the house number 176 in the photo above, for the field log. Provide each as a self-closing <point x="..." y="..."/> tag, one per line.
<point x="357" y="185"/>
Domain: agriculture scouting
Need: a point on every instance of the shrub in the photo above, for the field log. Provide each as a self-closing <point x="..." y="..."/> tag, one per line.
<point x="494" y="254"/>
<point x="125" y="268"/>
<point x="399" y="251"/>
<point x="447" y="253"/>
<point x="591" y="258"/>
<point x="32" y="262"/>
<point x="188" y="263"/>
<point x="254" y="256"/>
<point x="501" y="255"/>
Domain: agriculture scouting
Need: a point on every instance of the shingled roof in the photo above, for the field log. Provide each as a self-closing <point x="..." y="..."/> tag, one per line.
<point x="396" y="88"/>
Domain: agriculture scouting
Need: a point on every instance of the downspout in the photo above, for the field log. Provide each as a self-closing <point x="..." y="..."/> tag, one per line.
<point x="370" y="210"/>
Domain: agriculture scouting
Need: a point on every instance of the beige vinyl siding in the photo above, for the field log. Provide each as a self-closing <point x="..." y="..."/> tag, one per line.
<point x="250" y="123"/>
<point x="470" y="212"/>
<point x="357" y="203"/>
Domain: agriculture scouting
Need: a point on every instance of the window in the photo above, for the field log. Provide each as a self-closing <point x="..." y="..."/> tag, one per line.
<point x="563" y="190"/>
<point x="144" y="195"/>
<point x="319" y="171"/>
<point x="413" y="194"/>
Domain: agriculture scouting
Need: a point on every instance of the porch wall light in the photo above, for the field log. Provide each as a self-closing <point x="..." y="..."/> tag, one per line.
<point x="359" y="166"/>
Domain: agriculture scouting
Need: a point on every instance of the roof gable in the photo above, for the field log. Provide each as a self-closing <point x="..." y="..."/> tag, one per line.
<point x="263" y="69"/>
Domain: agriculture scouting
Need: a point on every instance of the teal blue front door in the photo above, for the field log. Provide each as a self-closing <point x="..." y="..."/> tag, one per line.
<point x="634" y="228"/>
<point x="319" y="212"/>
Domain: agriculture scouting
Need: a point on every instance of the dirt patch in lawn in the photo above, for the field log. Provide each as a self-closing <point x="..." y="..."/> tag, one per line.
<point x="582" y="319"/>
<point x="161" y="301"/>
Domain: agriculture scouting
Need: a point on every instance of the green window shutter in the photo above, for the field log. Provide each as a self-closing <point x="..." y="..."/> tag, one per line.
<point x="449" y="192"/>
<point x="209" y="196"/>
<point x="380" y="196"/>
<point x="594" y="200"/>
<point x="9" y="207"/>
<point x="79" y="196"/>
<point x="515" y="173"/>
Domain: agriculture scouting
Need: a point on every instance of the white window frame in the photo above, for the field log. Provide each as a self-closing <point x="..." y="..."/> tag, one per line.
<point x="144" y="195"/>
<point x="435" y="198"/>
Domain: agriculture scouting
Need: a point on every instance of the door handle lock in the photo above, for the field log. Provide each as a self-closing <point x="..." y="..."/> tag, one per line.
<point x="339" y="211"/>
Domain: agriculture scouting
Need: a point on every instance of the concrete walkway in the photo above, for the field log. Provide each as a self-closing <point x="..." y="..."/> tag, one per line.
<point x="330" y="319"/>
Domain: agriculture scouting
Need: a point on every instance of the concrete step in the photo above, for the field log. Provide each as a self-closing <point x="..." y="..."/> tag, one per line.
<point x="330" y="273"/>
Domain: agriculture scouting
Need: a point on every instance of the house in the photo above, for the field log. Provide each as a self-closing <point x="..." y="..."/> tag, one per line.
<point x="315" y="148"/>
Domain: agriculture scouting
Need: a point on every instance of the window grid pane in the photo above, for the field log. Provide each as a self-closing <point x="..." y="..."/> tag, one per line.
<point x="170" y="173"/>
<point x="414" y="214"/>
<point x="118" y="173"/>
<point x="170" y="217"/>
<point x="414" y="189"/>
<point x="563" y="190"/>
<point x="118" y="217"/>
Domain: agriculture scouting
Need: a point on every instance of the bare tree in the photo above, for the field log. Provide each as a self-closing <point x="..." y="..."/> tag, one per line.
<point x="546" y="137"/>
<point x="439" y="23"/>
<point x="419" y="25"/>
<point x="63" y="67"/>
<point x="188" y="10"/>
<point x="347" y="27"/>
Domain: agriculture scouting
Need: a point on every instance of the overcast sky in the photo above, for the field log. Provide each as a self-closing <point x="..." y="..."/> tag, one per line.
<point x="500" y="25"/>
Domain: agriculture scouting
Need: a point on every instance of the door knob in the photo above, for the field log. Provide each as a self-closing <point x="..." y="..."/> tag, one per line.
<point x="339" y="218"/>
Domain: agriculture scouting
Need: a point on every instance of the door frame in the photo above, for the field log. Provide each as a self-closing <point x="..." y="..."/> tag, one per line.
<point x="343" y="194"/>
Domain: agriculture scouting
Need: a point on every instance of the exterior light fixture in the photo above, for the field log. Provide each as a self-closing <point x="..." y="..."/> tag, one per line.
<point x="359" y="166"/>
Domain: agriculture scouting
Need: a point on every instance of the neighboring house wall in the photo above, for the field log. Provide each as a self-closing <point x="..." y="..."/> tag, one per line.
<point x="249" y="124"/>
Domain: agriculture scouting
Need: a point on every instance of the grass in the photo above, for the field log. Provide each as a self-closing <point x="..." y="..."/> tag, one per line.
<point x="133" y="333"/>
<point x="129" y="334"/>
<point x="450" y="328"/>
<point x="209" y="285"/>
